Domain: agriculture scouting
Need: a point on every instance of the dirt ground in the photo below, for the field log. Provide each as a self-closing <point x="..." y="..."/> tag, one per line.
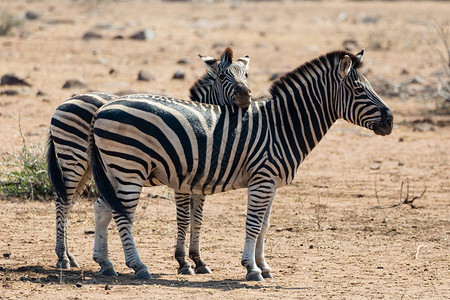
<point x="328" y="237"/>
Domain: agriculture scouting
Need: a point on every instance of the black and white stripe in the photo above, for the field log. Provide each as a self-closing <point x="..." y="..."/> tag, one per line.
<point x="225" y="83"/>
<point x="206" y="149"/>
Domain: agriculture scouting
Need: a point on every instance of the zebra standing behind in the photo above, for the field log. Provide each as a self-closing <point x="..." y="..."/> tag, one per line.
<point x="206" y="149"/>
<point x="225" y="83"/>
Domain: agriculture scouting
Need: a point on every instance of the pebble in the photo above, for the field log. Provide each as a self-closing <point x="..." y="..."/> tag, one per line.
<point x="9" y="93"/>
<point x="11" y="79"/>
<point x="32" y="15"/>
<point x="145" y="75"/>
<point x="350" y="44"/>
<point x="74" y="83"/>
<point x="274" y="76"/>
<point x="184" y="61"/>
<point x="178" y="75"/>
<point x="143" y="35"/>
<point x="91" y="35"/>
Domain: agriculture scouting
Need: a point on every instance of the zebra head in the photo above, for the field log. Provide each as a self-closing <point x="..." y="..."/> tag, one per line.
<point x="226" y="79"/>
<point x="359" y="103"/>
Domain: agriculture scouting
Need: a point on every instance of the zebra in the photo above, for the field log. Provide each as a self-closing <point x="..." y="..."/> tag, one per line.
<point x="224" y="83"/>
<point x="205" y="149"/>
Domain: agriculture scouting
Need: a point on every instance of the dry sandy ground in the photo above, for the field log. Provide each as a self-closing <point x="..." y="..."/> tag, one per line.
<point x="327" y="239"/>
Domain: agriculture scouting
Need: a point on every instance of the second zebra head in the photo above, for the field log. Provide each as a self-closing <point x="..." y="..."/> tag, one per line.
<point x="226" y="78"/>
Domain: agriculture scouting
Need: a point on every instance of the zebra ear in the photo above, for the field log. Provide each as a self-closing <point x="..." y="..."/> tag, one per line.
<point x="345" y="65"/>
<point x="211" y="63"/>
<point x="360" y="55"/>
<point x="227" y="57"/>
<point x="245" y="60"/>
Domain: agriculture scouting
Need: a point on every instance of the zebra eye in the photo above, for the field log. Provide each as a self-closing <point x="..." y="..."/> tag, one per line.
<point x="359" y="90"/>
<point x="222" y="77"/>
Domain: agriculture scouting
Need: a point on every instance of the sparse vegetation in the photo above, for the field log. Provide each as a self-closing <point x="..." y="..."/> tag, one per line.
<point x="26" y="174"/>
<point x="443" y="75"/>
<point x="320" y="212"/>
<point x="7" y="23"/>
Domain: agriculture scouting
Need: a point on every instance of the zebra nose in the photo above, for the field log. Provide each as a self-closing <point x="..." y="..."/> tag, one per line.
<point x="243" y="95"/>
<point x="241" y="89"/>
<point x="385" y="125"/>
<point x="386" y="116"/>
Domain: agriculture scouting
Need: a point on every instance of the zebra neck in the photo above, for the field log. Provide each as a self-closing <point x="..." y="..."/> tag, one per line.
<point x="302" y="114"/>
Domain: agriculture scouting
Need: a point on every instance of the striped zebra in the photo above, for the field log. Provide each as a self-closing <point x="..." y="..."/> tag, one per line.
<point x="206" y="149"/>
<point x="225" y="83"/>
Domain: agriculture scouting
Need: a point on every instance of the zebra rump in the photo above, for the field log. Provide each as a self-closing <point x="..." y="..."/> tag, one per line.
<point x="101" y="179"/>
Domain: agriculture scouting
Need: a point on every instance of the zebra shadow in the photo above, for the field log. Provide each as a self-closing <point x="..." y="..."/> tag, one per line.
<point x="79" y="277"/>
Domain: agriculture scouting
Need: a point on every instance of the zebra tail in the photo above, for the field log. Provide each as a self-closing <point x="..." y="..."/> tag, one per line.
<point x="55" y="173"/>
<point x="104" y="186"/>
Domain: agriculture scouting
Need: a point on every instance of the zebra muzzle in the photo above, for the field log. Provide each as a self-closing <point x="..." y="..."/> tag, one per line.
<point x="243" y="95"/>
<point x="385" y="125"/>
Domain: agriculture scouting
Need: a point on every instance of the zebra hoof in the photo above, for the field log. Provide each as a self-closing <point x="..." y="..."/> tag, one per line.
<point x="203" y="270"/>
<point x="108" y="272"/>
<point x="63" y="264"/>
<point x="267" y="274"/>
<point x="254" y="276"/>
<point x="142" y="274"/>
<point x="186" y="271"/>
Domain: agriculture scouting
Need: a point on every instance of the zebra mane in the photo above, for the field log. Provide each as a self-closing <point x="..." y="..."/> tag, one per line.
<point x="332" y="59"/>
<point x="205" y="81"/>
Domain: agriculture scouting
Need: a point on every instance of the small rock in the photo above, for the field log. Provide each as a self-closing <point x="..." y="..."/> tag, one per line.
<point x="32" y="15"/>
<point x="41" y="93"/>
<point x="91" y="35"/>
<point x="178" y="75"/>
<point x="145" y="75"/>
<point x="7" y="255"/>
<point x="11" y="79"/>
<point x="350" y="44"/>
<point x="184" y="61"/>
<point x="375" y="167"/>
<point x="113" y="72"/>
<point x="144" y="35"/>
<point x="118" y="37"/>
<point x="74" y="83"/>
<point x="400" y="163"/>
<point x="401" y="139"/>
<point x="9" y="93"/>
<point x="423" y="126"/>
<point x="78" y="284"/>
<point x="369" y="19"/>
<point x="89" y="232"/>
<point x="274" y="76"/>
<point x="108" y="287"/>
<point x="311" y="246"/>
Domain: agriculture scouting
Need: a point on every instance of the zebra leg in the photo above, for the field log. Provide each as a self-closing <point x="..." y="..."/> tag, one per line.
<point x="182" y="202"/>
<point x="129" y="195"/>
<point x="103" y="216"/>
<point x="197" y="202"/>
<point x="65" y="258"/>
<point x="260" y="195"/>
<point x="259" y="252"/>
